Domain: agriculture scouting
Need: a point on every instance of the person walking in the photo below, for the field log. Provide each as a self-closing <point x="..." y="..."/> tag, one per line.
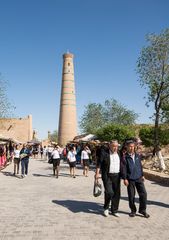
<point x="25" y="153"/>
<point x="16" y="160"/>
<point x="108" y="162"/>
<point x="45" y="152"/>
<point x="2" y="156"/>
<point x="56" y="161"/>
<point x="134" y="180"/>
<point x="85" y="160"/>
<point x="41" y="152"/>
<point x="49" y="151"/>
<point x="72" y="160"/>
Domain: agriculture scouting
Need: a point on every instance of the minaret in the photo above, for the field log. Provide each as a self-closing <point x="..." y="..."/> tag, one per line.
<point x="67" y="119"/>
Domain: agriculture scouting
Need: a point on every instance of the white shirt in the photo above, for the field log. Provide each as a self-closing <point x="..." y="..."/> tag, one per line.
<point x="133" y="157"/>
<point x="55" y="154"/>
<point x="44" y="150"/>
<point x="16" y="153"/>
<point x="114" y="163"/>
<point x="85" y="154"/>
<point x="71" y="156"/>
<point x="50" y="149"/>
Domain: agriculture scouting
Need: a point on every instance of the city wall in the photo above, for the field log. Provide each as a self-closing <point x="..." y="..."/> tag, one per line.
<point x="17" y="128"/>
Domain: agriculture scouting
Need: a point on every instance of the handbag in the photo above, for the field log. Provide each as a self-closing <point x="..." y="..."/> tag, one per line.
<point x="97" y="189"/>
<point x="50" y="161"/>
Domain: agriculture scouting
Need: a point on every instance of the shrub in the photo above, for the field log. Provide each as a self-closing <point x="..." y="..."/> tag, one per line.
<point x="118" y="132"/>
<point x="146" y="134"/>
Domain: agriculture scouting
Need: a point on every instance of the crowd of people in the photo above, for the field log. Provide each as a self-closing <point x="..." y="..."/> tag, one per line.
<point x="6" y="153"/>
<point x="112" y="165"/>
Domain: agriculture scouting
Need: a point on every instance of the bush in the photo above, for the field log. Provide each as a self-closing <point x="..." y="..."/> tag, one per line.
<point x="146" y="134"/>
<point x="118" y="132"/>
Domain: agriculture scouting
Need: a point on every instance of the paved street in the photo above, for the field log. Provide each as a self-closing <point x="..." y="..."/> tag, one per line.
<point x="43" y="207"/>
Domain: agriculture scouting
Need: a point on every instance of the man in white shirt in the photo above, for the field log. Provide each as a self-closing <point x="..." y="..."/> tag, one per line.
<point x="109" y="163"/>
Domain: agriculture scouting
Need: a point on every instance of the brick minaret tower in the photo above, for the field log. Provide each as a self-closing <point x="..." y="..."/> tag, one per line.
<point x="67" y="119"/>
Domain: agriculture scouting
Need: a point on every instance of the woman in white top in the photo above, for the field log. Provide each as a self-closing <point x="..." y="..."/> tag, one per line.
<point x="72" y="161"/>
<point x="85" y="160"/>
<point x="16" y="159"/>
<point x="56" y="161"/>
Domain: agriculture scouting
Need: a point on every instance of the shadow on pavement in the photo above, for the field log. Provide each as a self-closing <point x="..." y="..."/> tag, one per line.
<point x="80" y="206"/>
<point x="51" y="175"/>
<point x="149" y="202"/>
<point x="10" y="174"/>
<point x="42" y="175"/>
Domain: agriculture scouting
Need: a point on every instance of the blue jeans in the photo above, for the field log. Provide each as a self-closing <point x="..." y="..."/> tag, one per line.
<point x="24" y="166"/>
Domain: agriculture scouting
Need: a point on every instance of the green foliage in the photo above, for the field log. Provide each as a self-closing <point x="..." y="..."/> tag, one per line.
<point x="164" y="136"/>
<point x="6" y="107"/>
<point x="153" y="70"/>
<point x="118" y="132"/>
<point x="115" y="112"/>
<point x="54" y="136"/>
<point x="146" y="134"/>
<point x="96" y="116"/>
<point x="92" y="118"/>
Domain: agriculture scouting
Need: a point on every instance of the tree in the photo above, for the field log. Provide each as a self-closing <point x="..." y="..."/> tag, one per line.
<point x="146" y="135"/>
<point x="115" y="112"/>
<point x="118" y="132"/>
<point x="97" y="116"/>
<point x="6" y="107"/>
<point x="153" y="70"/>
<point x="53" y="137"/>
<point x="92" y="118"/>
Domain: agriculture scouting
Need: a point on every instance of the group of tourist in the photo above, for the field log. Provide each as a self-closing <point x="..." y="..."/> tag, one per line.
<point x="112" y="164"/>
<point x="126" y="165"/>
<point x="69" y="153"/>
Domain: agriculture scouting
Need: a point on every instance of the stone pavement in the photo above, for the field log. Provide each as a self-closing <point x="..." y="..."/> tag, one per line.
<point x="43" y="207"/>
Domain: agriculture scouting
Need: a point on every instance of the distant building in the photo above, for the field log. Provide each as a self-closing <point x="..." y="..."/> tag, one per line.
<point x="17" y="128"/>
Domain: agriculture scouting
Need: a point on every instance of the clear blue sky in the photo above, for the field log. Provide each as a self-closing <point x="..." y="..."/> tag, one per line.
<point x="105" y="36"/>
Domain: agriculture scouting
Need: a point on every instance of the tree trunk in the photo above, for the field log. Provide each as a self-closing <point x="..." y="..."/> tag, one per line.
<point x="157" y="149"/>
<point x="161" y="160"/>
<point x="156" y="135"/>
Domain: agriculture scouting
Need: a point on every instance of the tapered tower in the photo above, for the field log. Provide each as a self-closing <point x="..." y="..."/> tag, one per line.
<point x="67" y="119"/>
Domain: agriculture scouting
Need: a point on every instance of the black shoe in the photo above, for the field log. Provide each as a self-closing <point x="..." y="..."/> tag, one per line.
<point x="146" y="215"/>
<point x="132" y="214"/>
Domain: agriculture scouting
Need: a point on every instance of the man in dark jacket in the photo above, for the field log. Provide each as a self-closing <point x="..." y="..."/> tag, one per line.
<point x="109" y="164"/>
<point x="133" y="178"/>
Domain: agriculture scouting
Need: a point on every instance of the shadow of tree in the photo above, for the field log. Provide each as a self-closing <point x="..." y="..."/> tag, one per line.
<point x="80" y="206"/>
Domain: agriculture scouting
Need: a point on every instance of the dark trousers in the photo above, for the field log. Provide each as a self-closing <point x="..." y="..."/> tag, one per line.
<point x="139" y="186"/>
<point x="112" y="192"/>
<point x="24" y="166"/>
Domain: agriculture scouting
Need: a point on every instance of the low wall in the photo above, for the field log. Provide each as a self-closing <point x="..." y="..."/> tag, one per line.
<point x="156" y="177"/>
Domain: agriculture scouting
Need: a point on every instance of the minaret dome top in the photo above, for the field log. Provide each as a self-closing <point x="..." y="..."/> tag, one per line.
<point x="68" y="55"/>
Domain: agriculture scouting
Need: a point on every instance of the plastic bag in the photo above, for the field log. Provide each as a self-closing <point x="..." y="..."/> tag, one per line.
<point x="97" y="189"/>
